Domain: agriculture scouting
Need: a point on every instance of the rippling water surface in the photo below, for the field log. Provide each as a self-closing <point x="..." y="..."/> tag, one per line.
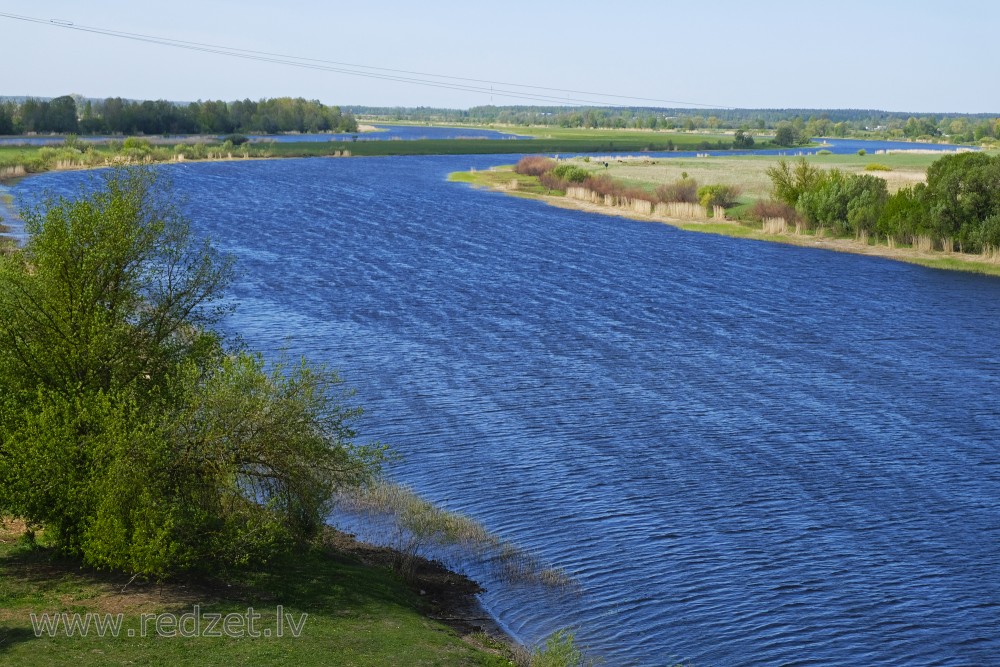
<point x="746" y="453"/>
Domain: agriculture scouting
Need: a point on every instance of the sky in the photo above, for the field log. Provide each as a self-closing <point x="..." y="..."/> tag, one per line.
<point x="913" y="55"/>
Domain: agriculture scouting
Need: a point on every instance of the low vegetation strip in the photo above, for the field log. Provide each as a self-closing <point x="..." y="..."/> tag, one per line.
<point x="19" y="161"/>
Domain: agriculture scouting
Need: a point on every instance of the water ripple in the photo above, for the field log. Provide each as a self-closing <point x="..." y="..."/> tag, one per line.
<point x="745" y="453"/>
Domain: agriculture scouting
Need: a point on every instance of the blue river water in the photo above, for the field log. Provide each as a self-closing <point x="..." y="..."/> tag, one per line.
<point x="744" y="453"/>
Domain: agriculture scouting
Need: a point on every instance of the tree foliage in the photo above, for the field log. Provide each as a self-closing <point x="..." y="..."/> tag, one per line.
<point x="959" y="203"/>
<point x="791" y="182"/>
<point x="127" y="428"/>
<point x="115" y="115"/>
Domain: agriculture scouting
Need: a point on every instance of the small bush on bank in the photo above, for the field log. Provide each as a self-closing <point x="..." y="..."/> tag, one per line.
<point x="534" y="165"/>
<point x="684" y="190"/>
<point x="571" y="173"/>
<point x="763" y="209"/>
<point x="718" y="195"/>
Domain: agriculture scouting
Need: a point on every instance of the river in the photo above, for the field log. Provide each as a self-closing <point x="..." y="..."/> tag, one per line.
<point x="745" y="453"/>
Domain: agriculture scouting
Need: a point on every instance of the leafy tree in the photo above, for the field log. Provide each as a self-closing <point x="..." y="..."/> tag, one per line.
<point x="718" y="195"/>
<point x="126" y="427"/>
<point x="789" y="183"/>
<point x="743" y="138"/>
<point x="905" y="215"/>
<point x="866" y="196"/>
<point x="845" y="202"/>
<point x="786" y="135"/>
<point x="963" y="190"/>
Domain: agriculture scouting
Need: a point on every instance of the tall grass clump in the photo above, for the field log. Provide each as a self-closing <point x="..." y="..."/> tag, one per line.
<point x="559" y="650"/>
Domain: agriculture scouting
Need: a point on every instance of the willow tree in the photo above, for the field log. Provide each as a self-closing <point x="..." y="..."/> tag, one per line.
<point x="127" y="428"/>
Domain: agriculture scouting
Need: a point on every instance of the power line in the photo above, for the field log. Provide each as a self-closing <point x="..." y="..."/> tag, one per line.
<point x="351" y="69"/>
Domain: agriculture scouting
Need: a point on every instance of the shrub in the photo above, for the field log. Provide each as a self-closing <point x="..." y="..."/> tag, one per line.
<point x="684" y="190"/>
<point x="135" y="144"/>
<point x="143" y="444"/>
<point x="571" y="173"/>
<point x="551" y="181"/>
<point x="770" y="208"/>
<point x="534" y="165"/>
<point x="862" y="152"/>
<point x="604" y="185"/>
<point x="790" y="183"/>
<point x="845" y="203"/>
<point x="236" y="139"/>
<point x="987" y="235"/>
<point x="824" y="152"/>
<point x="717" y="195"/>
<point x="877" y="166"/>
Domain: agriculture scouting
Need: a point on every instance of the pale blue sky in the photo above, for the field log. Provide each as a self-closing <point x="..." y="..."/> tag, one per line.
<point x="895" y="55"/>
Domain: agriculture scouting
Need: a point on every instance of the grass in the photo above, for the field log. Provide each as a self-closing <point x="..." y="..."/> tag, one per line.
<point x="749" y="172"/>
<point x="501" y="178"/>
<point x="358" y="614"/>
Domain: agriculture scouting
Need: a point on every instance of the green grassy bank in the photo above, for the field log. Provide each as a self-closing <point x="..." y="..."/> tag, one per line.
<point x="350" y="608"/>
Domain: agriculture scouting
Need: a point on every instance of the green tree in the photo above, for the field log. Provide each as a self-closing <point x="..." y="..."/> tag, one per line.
<point x="126" y="427"/>
<point x="963" y="190"/>
<point x="905" y="215"/>
<point x="789" y="183"/>
<point x="845" y="202"/>
<point x="743" y="138"/>
<point x="786" y="134"/>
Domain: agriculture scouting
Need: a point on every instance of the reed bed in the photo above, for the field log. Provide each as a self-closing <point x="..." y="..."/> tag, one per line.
<point x="775" y="226"/>
<point x="681" y="210"/>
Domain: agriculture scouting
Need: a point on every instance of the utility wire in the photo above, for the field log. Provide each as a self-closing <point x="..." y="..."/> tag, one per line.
<point x="383" y="73"/>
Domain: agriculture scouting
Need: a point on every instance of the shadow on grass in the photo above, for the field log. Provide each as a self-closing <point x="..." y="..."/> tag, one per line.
<point x="339" y="577"/>
<point x="11" y="636"/>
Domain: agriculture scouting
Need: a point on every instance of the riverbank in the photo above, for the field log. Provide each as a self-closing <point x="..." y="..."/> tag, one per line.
<point x="504" y="180"/>
<point x="343" y="594"/>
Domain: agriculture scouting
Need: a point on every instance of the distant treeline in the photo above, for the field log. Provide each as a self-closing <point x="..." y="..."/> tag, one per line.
<point x="807" y="122"/>
<point x="115" y="115"/>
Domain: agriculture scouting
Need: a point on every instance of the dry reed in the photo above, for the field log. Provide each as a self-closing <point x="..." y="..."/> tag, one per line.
<point x="775" y="226"/>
